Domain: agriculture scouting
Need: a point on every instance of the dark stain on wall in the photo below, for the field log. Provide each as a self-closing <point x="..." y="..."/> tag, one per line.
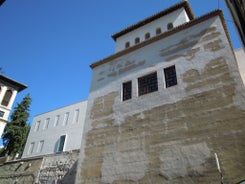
<point x="207" y="118"/>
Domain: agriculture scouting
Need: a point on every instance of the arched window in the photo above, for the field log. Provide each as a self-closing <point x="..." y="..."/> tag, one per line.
<point x="170" y="25"/>
<point x="137" y="40"/>
<point x="127" y="45"/>
<point x="7" y="97"/>
<point x="158" y="30"/>
<point x="147" y="36"/>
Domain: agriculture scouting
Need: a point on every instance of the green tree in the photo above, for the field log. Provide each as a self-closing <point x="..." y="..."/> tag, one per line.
<point x="16" y="131"/>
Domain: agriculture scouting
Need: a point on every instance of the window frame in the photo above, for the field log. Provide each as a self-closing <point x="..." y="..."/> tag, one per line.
<point x="147" y="36"/>
<point x="146" y="85"/>
<point x="7" y="98"/>
<point x="40" y="146"/>
<point x="2" y="114"/>
<point x="127" y="45"/>
<point x="31" y="148"/>
<point x="59" y="147"/>
<point x="124" y="97"/>
<point x="66" y="119"/>
<point x="76" y="116"/>
<point x="172" y="80"/>
<point x="46" y="124"/>
<point x="37" y="126"/>
<point x="56" y="120"/>
<point x="170" y="26"/>
<point x="158" y="30"/>
<point x="137" y="40"/>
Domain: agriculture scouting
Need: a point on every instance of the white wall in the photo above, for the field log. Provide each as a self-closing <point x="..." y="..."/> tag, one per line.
<point x="177" y="17"/>
<point x="50" y="136"/>
<point x="240" y="56"/>
<point x="6" y="109"/>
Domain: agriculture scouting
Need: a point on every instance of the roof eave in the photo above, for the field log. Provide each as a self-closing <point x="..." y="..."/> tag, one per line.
<point x="12" y="82"/>
<point x="183" y="4"/>
<point x="166" y="34"/>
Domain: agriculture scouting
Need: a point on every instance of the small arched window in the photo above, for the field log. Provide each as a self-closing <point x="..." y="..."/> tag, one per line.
<point x="7" y="97"/>
<point x="158" y="31"/>
<point x="147" y="35"/>
<point x="170" y="25"/>
<point x="127" y="45"/>
<point x="137" y="40"/>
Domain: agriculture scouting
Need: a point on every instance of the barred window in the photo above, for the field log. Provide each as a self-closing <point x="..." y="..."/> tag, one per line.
<point x="147" y="84"/>
<point x="170" y="76"/>
<point x="127" y="90"/>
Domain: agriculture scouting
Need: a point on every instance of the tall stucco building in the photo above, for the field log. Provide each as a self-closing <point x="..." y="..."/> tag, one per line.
<point x="8" y="91"/>
<point x="56" y="131"/>
<point x="164" y="104"/>
<point x="237" y="10"/>
<point x="240" y="56"/>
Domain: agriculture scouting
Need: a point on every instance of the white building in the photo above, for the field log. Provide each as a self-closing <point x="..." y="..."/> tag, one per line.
<point x="240" y="56"/>
<point x="8" y="91"/>
<point x="237" y="10"/>
<point x="56" y="131"/>
<point x="163" y="104"/>
<point x="153" y="26"/>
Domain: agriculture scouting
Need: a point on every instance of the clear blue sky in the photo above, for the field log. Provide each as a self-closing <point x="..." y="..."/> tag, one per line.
<point x="49" y="44"/>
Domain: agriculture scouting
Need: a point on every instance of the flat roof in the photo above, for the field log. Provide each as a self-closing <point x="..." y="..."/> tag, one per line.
<point x="183" y="4"/>
<point x="13" y="83"/>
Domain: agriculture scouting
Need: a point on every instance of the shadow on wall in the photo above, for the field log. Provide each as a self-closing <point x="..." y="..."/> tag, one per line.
<point x="71" y="175"/>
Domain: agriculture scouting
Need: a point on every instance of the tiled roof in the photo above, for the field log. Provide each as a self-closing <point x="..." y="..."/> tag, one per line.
<point x="183" y="4"/>
<point x="18" y="86"/>
<point x="166" y="34"/>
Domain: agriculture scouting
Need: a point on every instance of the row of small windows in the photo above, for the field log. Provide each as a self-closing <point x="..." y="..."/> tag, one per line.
<point x="7" y="96"/>
<point x="149" y="83"/>
<point x="39" y="149"/>
<point x="148" y="35"/>
<point x="57" y="121"/>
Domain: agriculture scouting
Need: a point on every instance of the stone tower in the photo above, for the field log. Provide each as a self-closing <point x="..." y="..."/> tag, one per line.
<point x="166" y="102"/>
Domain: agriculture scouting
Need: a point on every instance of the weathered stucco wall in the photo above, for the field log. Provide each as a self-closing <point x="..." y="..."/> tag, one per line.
<point x="20" y="171"/>
<point x="59" y="168"/>
<point x="50" y="169"/>
<point x="169" y="136"/>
